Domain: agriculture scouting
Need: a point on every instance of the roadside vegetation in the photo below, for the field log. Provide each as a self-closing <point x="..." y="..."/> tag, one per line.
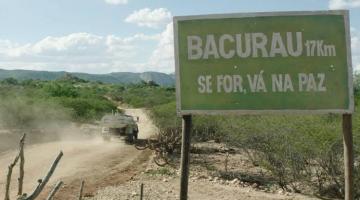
<point x="33" y="103"/>
<point x="143" y="94"/>
<point x="300" y="152"/>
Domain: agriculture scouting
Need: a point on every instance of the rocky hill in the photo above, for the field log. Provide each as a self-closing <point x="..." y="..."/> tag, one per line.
<point x="114" y="77"/>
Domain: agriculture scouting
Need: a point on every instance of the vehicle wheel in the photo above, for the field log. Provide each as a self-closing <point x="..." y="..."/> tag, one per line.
<point x="135" y="133"/>
<point x="130" y="139"/>
<point x="160" y="159"/>
<point x="141" y="145"/>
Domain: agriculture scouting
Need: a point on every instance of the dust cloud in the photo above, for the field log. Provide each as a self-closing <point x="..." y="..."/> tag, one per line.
<point x="47" y="131"/>
<point x="85" y="153"/>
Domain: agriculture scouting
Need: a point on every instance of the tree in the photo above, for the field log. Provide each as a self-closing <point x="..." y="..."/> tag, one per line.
<point x="10" y="81"/>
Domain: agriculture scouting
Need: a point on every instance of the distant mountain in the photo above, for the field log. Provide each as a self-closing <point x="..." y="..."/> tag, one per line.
<point x="114" y="77"/>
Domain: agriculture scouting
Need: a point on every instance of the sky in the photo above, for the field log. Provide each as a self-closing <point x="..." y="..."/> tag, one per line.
<point x="103" y="36"/>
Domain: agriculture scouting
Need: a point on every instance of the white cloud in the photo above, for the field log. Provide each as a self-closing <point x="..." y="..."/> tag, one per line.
<point x="83" y="52"/>
<point x="150" y="18"/>
<point x="116" y="2"/>
<point x="141" y="37"/>
<point x="163" y="55"/>
<point x="342" y="4"/>
<point x="355" y="48"/>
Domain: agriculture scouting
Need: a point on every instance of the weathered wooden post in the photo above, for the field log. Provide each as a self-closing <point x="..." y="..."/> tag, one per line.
<point x="185" y="156"/>
<point x="81" y="190"/>
<point x="214" y="77"/>
<point x="22" y="163"/>
<point x="12" y="165"/>
<point x="8" y="179"/>
<point x="43" y="182"/>
<point x="348" y="156"/>
<point x="141" y="191"/>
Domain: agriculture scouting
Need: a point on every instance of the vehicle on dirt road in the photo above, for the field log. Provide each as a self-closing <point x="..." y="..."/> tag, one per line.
<point x="118" y="125"/>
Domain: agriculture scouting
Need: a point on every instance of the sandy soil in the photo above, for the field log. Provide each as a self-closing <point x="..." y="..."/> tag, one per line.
<point x="162" y="186"/>
<point x="167" y="188"/>
<point x="205" y="182"/>
<point x="98" y="163"/>
<point x="114" y="170"/>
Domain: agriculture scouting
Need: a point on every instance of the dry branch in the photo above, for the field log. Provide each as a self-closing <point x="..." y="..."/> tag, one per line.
<point x="81" y="189"/>
<point x="12" y="165"/>
<point x="54" y="190"/>
<point x="22" y="162"/>
<point x="44" y="181"/>
<point x="8" y="179"/>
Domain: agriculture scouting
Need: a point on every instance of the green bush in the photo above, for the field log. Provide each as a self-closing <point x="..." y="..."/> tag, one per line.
<point x="204" y="127"/>
<point x="295" y="149"/>
<point x="83" y="102"/>
<point x="164" y="116"/>
<point x="61" y="90"/>
<point x="143" y="95"/>
<point x="10" y="81"/>
<point x="87" y="109"/>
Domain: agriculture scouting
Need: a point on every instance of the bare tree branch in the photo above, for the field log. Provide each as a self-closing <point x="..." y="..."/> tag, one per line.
<point x="12" y="165"/>
<point x="22" y="163"/>
<point x="8" y="179"/>
<point x="41" y="186"/>
<point x="54" y="190"/>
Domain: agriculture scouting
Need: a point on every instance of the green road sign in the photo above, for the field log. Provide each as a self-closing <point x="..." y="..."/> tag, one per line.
<point x="254" y="63"/>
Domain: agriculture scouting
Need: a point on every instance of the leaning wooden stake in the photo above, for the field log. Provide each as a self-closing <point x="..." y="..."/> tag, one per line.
<point x="81" y="189"/>
<point x="44" y="181"/>
<point x="12" y="165"/>
<point x="8" y="177"/>
<point x="22" y="163"/>
<point x="54" y="190"/>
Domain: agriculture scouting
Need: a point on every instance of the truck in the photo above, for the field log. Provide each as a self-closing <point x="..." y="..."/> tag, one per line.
<point x="119" y="125"/>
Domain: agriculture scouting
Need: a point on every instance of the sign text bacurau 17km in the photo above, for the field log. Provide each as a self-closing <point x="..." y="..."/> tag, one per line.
<point x="287" y="62"/>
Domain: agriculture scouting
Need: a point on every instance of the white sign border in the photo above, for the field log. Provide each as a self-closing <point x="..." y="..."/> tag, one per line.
<point x="344" y="13"/>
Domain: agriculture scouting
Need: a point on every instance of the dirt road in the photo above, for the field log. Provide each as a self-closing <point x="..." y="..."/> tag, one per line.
<point x="97" y="162"/>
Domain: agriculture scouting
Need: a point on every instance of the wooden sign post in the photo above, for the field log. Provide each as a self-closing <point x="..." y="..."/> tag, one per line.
<point x="185" y="156"/>
<point x="348" y="156"/>
<point x="264" y="63"/>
